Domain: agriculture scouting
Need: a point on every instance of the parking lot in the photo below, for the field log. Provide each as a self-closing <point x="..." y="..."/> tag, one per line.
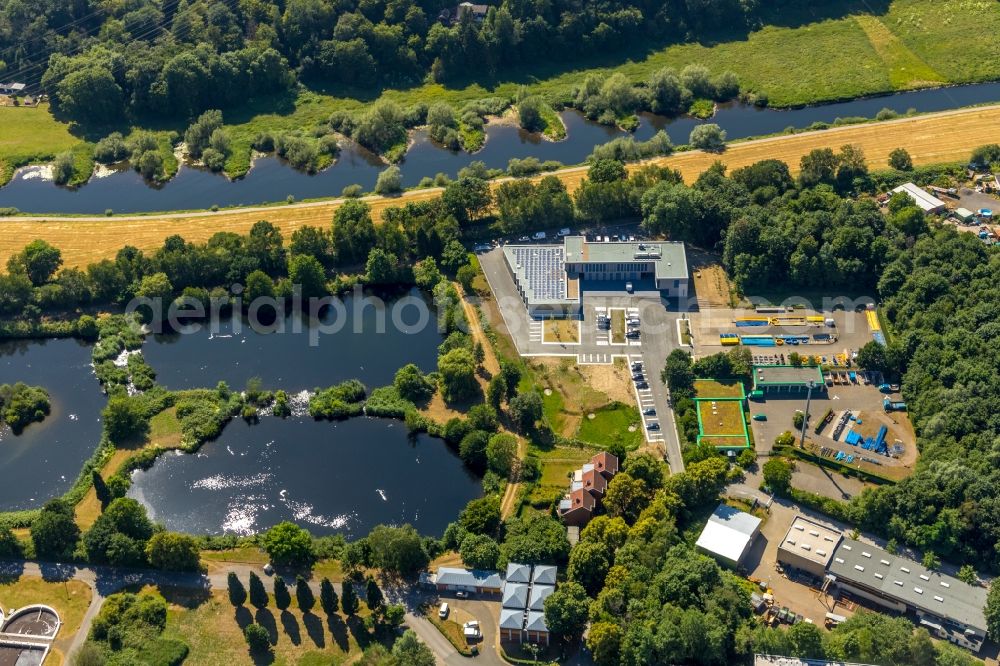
<point x="864" y="402"/>
<point x="849" y="332"/>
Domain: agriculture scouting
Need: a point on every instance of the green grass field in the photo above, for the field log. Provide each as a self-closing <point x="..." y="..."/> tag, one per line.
<point x="802" y="55"/>
<point x="611" y="425"/>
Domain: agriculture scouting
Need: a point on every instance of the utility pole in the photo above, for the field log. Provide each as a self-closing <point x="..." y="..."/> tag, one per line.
<point x="805" y="417"/>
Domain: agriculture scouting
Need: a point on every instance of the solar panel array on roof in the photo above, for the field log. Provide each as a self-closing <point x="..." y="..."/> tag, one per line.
<point x="544" y="269"/>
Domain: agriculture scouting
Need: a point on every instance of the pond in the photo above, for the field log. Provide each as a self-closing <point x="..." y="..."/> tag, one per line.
<point x="271" y="180"/>
<point x="343" y="477"/>
<point x="368" y="346"/>
<point x="44" y="460"/>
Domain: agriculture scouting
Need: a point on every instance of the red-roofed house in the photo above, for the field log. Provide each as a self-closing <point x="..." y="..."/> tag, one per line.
<point x="605" y="463"/>
<point x="594" y="482"/>
<point x="577" y="508"/>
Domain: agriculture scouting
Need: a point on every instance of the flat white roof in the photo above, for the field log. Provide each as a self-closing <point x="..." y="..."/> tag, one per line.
<point x="921" y="197"/>
<point x="728" y="533"/>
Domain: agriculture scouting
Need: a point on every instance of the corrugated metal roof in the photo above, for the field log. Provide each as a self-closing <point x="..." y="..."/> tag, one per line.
<point x="468" y="578"/>
<point x="909" y="582"/>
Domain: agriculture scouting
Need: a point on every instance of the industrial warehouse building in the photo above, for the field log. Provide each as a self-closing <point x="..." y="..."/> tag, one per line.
<point x="773" y="379"/>
<point x="947" y="607"/>
<point x="728" y="535"/>
<point x="549" y="277"/>
<point x="808" y="546"/>
<point x="925" y="201"/>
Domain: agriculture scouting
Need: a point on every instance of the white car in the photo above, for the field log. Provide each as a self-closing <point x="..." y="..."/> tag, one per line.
<point x="471" y="630"/>
<point x="629" y="288"/>
<point x="443" y="610"/>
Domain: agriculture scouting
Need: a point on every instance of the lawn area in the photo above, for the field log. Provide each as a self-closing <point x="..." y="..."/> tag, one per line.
<point x="567" y="393"/>
<point x="617" y="326"/>
<point x="617" y="423"/>
<point x="164" y="432"/>
<point x="70" y="599"/>
<point x="561" y="330"/>
<point x="723" y="417"/>
<point x="213" y="630"/>
<point x="31" y="135"/>
<point x="558" y="464"/>
<point x="712" y="388"/>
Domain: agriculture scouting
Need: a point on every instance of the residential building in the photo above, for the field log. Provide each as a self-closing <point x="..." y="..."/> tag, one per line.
<point x="728" y="535"/>
<point x="587" y="489"/>
<point x="454" y="579"/>
<point x="518" y="573"/>
<point x="12" y="88"/>
<point x="577" y="508"/>
<point x="522" y="612"/>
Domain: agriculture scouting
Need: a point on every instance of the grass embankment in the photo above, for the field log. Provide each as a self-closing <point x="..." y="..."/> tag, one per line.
<point x="69" y="598"/>
<point x="164" y="432"/>
<point x="449" y="629"/>
<point x="930" y="139"/>
<point x="803" y="54"/>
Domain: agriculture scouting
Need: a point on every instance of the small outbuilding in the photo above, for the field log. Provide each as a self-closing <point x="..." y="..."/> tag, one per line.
<point x="965" y="215"/>
<point x="728" y="535"/>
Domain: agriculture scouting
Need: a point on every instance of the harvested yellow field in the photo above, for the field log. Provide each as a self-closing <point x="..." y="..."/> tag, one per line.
<point x="934" y="138"/>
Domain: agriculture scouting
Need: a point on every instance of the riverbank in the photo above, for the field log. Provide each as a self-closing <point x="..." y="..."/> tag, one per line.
<point x="930" y="139"/>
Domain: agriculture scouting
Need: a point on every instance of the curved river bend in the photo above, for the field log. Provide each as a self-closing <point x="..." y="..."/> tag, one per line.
<point x="271" y="180"/>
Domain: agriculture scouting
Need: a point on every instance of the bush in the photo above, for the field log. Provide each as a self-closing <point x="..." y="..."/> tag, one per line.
<point x="62" y="168"/>
<point x="389" y="181"/>
<point x="213" y="159"/>
<point x="709" y="137"/>
<point x="257" y="638"/>
<point x="111" y="149"/>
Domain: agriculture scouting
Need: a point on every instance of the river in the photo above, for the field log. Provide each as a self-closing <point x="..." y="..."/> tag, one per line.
<point x="271" y="180"/>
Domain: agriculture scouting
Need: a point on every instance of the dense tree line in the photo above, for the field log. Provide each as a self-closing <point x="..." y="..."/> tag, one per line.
<point x="100" y="63"/>
<point x="940" y="298"/>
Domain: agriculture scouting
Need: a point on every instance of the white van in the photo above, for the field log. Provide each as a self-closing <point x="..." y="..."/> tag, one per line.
<point x="539" y="235"/>
<point x="443" y="611"/>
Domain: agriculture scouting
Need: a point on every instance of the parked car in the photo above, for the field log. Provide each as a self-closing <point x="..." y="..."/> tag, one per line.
<point x="482" y="247"/>
<point x="471" y="630"/>
<point x="462" y="594"/>
<point x="629" y="288"/>
<point x="539" y="235"/>
<point x="637" y="365"/>
<point x="563" y="232"/>
<point x="641" y="385"/>
<point x="524" y="239"/>
<point x="653" y="426"/>
<point x="760" y="417"/>
<point x="649" y="411"/>
<point x="443" y="610"/>
<point x="632" y="333"/>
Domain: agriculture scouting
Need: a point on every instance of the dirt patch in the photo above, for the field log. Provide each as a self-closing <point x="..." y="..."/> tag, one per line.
<point x="613" y="380"/>
<point x="711" y="284"/>
<point x="561" y="330"/>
